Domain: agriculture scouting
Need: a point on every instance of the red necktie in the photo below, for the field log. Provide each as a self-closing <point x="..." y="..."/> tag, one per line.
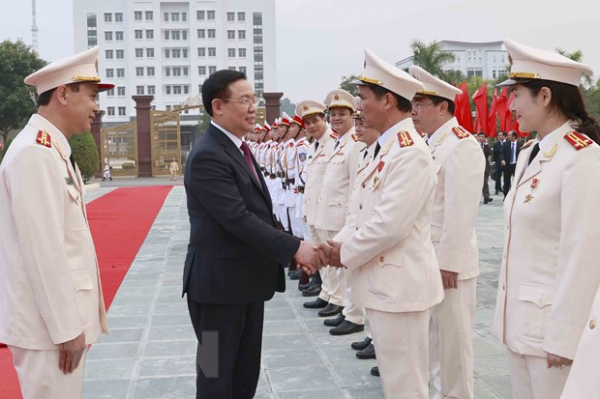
<point x="248" y="158"/>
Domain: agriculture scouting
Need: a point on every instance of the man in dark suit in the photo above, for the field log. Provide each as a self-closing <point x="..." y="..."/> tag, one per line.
<point x="497" y="165"/>
<point x="236" y="255"/>
<point x="508" y="158"/>
<point x="487" y="152"/>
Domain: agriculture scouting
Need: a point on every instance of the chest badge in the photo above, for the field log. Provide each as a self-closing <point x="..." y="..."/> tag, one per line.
<point x="69" y="181"/>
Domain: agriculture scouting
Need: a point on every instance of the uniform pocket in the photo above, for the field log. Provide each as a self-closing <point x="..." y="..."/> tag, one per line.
<point x="534" y="309"/>
<point x="384" y="277"/>
<point x="82" y="280"/>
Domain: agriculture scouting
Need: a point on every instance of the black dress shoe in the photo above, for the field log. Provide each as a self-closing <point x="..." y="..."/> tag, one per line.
<point x="375" y="371"/>
<point x="360" y="345"/>
<point x="487" y="200"/>
<point x="347" y="327"/>
<point x="316" y="304"/>
<point x="295" y="275"/>
<point x="330" y="310"/>
<point x="497" y="192"/>
<point x="313" y="290"/>
<point x="303" y="287"/>
<point x="367" y="353"/>
<point x="335" y="322"/>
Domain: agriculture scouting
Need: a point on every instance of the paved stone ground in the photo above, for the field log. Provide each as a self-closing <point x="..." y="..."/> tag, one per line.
<point x="150" y="352"/>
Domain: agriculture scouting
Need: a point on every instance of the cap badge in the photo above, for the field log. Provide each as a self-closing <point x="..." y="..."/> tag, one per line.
<point x="336" y="97"/>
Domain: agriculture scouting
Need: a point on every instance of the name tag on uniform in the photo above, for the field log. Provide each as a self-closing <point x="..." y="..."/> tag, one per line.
<point x="69" y="181"/>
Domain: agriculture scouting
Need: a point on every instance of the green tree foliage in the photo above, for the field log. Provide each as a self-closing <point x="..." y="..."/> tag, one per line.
<point x="576" y="56"/>
<point x="4" y="149"/>
<point x="346" y="84"/>
<point x="285" y="105"/>
<point x="17" y="61"/>
<point x="85" y="153"/>
<point x="455" y="77"/>
<point x="431" y="57"/>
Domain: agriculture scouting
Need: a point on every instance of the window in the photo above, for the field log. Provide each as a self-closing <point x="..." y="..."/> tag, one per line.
<point x="167" y="34"/>
<point x="231" y="68"/>
<point x="177" y="71"/>
<point x="119" y="36"/>
<point x="200" y="15"/>
<point x="257" y="16"/>
<point x="212" y="33"/>
<point x="166" y="16"/>
<point x="139" y="71"/>
<point x="184" y="53"/>
<point x="230" y="34"/>
<point x="201" y="70"/>
<point x="494" y="74"/>
<point x="212" y="69"/>
<point x="176" y="53"/>
<point x="108" y="36"/>
<point x="168" y="106"/>
<point x="137" y="15"/>
<point x="175" y="16"/>
<point x="186" y="89"/>
<point x="149" y="15"/>
<point x="121" y="90"/>
<point x="184" y="17"/>
<point x="151" y="90"/>
<point x="139" y="34"/>
<point x="150" y="52"/>
<point x="108" y="54"/>
<point x="230" y="16"/>
<point x="139" y="90"/>
<point x="167" y="91"/>
<point x="110" y="111"/>
<point x="241" y="34"/>
<point x="139" y="52"/>
<point x="186" y="71"/>
<point x="118" y="17"/>
<point x="241" y="16"/>
<point x="212" y="51"/>
<point x="107" y="17"/>
<point x="242" y="52"/>
<point x="149" y="34"/>
<point x="210" y="15"/>
<point x="201" y="33"/>
<point x="167" y="53"/>
<point x="150" y="71"/>
<point x="120" y="54"/>
<point x="176" y="89"/>
<point x="199" y="88"/>
<point x="175" y="35"/>
<point x="110" y="73"/>
<point x="184" y="34"/>
<point x="120" y="72"/>
<point x="243" y="69"/>
<point x="122" y="111"/>
<point x="167" y="71"/>
<point x="201" y="52"/>
<point x="231" y="52"/>
<point x="110" y="92"/>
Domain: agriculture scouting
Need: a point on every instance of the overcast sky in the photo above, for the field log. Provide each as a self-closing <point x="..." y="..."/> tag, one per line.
<point x="319" y="41"/>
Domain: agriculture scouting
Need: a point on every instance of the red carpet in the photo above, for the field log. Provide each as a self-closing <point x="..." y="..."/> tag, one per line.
<point x="119" y="221"/>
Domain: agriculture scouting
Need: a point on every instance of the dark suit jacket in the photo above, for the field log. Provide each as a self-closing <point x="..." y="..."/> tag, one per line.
<point x="497" y="150"/>
<point x="487" y="152"/>
<point x="235" y="254"/>
<point x="505" y="153"/>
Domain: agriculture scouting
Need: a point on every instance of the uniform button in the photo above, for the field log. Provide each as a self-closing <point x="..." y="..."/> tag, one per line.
<point x="360" y="206"/>
<point x="381" y="259"/>
<point x="592" y="324"/>
<point x="363" y="185"/>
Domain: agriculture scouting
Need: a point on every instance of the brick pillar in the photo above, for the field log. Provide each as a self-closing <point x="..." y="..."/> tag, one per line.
<point x="144" y="142"/>
<point x="272" y="105"/>
<point x="97" y="135"/>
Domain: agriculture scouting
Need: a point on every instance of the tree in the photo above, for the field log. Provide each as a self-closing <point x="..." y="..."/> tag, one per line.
<point x="576" y="56"/>
<point x="85" y="153"/>
<point x="203" y="123"/>
<point x="17" y="61"/>
<point x="455" y="77"/>
<point x="346" y="84"/>
<point x="431" y="57"/>
<point x="288" y="107"/>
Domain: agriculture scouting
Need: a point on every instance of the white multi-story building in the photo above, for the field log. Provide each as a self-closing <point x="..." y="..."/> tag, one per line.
<point x="487" y="60"/>
<point x="167" y="48"/>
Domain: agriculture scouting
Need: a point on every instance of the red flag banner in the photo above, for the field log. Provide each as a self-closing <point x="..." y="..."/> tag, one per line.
<point x="463" y="108"/>
<point x="480" y="100"/>
<point x="501" y="108"/>
<point x="491" y="127"/>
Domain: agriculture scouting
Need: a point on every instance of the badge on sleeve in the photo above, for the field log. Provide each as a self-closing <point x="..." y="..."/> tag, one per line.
<point x="43" y="138"/>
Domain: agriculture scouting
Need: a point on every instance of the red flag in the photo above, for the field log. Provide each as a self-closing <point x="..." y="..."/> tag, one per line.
<point x="463" y="108"/>
<point x="491" y="127"/>
<point x="514" y="125"/>
<point x="501" y="108"/>
<point x="480" y="100"/>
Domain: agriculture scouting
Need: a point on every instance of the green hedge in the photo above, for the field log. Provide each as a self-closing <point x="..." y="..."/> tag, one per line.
<point x="85" y="153"/>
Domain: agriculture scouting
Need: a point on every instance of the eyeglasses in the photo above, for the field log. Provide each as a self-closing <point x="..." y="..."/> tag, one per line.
<point x="244" y="102"/>
<point x="418" y="105"/>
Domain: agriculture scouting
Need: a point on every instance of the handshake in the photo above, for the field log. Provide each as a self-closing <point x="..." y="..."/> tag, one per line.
<point x="313" y="257"/>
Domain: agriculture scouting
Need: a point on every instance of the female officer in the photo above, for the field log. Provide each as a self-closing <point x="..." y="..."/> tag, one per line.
<point x="549" y="269"/>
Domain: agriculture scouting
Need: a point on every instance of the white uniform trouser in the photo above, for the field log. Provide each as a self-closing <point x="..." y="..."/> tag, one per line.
<point x="40" y="377"/>
<point x="352" y="312"/>
<point x="331" y="289"/>
<point x="450" y="345"/>
<point x="402" y="352"/>
<point x="532" y="379"/>
<point x="271" y="183"/>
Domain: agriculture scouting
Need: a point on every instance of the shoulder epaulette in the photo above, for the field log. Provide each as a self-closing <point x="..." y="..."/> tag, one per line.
<point x="527" y="144"/>
<point x="43" y="138"/>
<point x="354" y="137"/>
<point x="460" y="132"/>
<point x="578" y="140"/>
<point x="291" y="144"/>
<point x="334" y="135"/>
<point x="404" y="139"/>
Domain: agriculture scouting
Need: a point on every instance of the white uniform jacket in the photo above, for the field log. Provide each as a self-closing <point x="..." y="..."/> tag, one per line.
<point x="387" y="243"/>
<point x="460" y="167"/>
<point x="550" y="272"/>
<point x="338" y="182"/>
<point x="315" y="171"/>
<point x="50" y="289"/>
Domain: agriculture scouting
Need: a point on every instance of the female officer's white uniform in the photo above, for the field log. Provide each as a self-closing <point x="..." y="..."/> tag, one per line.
<point x="550" y="267"/>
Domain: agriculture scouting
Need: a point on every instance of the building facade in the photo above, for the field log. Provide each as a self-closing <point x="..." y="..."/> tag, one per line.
<point x="488" y="60"/>
<point x="167" y="48"/>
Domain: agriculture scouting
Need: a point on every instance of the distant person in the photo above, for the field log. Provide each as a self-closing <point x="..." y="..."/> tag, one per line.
<point x="173" y="168"/>
<point x="509" y="156"/>
<point x="487" y="152"/>
<point x="497" y="151"/>
<point x="50" y="293"/>
<point x="106" y="172"/>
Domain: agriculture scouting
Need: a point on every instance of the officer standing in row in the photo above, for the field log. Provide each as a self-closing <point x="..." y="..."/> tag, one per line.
<point x="460" y="169"/>
<point x="50" y="290"/>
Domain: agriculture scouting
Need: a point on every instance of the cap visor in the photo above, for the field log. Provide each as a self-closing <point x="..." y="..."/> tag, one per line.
<point x="358" y="83"/>
<point x="508" y="82"/>
<point x="105" y="86"/>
